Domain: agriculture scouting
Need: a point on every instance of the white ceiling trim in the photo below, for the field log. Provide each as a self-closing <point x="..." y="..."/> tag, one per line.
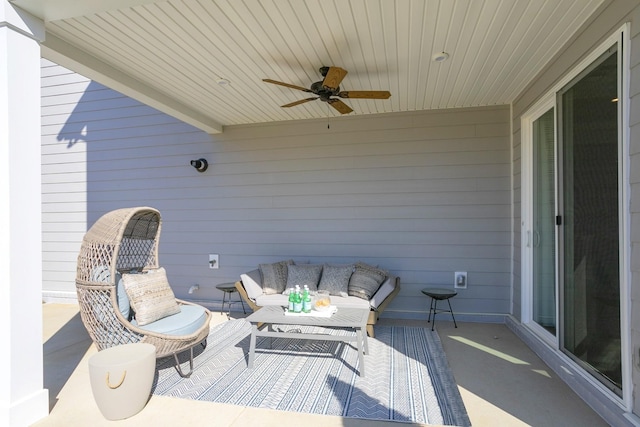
<point x="58" y="51"/>
<point x="172" y="52"/>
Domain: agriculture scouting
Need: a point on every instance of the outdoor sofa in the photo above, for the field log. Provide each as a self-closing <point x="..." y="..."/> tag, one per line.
<point x="357" y="285"/>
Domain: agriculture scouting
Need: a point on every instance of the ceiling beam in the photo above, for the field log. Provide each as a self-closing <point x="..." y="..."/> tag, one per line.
<point x="53" y="10"/>
<point x="62" y="53"/>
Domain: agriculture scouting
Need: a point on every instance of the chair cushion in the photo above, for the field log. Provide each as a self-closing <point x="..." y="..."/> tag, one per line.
<point x="335" y="279"/>
<point x="187" y="321"/>
<point x="102" y="274"/>
<point x="123" y="299"/>
<point x="365" y="280"/>
<point x="150" y="295"/>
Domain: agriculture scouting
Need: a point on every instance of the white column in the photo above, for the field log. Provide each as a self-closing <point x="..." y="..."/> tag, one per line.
<point x="23" y="400"/>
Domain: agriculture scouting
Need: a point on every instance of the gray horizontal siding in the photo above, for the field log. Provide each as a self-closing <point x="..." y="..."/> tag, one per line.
<point x="421" y="194"/>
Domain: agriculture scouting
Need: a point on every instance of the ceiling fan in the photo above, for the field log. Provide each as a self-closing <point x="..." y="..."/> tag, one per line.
<point x="328" y="88"/>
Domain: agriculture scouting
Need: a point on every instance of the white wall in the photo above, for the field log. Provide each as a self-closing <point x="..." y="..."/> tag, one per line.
<point x="23" y="400"/>
<point x="422" y="194"/>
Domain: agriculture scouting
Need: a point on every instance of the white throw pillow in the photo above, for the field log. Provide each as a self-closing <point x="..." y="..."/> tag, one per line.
<point x="251" y="282"/>
<point x="383" y="292"/>
<point x="150" y="295"/>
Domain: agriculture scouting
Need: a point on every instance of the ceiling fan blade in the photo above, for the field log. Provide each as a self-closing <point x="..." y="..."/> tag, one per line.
<point x="304" y="89"/>
<point x="365" y="94"/>
<point x="302" y="101"/>
<point x="334" y="77"/>
<point x="340" y="106"/>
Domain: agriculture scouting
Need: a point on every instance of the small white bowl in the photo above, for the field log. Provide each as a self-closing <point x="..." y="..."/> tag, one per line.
<point x="321" y="307"/>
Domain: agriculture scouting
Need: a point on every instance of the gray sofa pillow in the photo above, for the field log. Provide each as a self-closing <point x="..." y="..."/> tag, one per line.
<point x="335" y="279"/>
<point x="365" y="281"/>
<point x="274" y="277"/>
<point x="304" y="274"/>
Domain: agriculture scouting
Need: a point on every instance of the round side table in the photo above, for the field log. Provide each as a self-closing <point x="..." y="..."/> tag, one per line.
<point x="439" y="294"/>
<point x="229" y="289"/>
<point x="121" y="378"/>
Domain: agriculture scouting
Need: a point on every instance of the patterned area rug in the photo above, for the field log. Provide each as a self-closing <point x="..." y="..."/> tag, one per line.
<point x="407" y="375"/>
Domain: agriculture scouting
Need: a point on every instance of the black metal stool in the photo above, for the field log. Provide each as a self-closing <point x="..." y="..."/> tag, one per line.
<point x="229" y="289"/>
<point x="438" y="295"/>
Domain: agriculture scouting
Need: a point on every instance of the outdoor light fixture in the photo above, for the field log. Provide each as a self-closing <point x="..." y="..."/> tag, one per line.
<point x="201" y="165"/>
<point x="440" y="57"/>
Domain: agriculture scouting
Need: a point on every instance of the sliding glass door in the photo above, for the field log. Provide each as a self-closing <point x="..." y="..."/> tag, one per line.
<point x="590" y="221"/>
<point x="572" y="220"/>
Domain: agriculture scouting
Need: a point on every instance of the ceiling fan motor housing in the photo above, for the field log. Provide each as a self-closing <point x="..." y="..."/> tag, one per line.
<point x="323" y="92"/>
<point x="329" y="88"/>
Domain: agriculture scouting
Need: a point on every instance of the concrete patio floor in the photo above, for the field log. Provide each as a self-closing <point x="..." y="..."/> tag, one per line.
<point x="501" y="381"/>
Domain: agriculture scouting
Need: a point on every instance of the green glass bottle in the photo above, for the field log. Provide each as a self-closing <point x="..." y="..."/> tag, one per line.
<point x="291" y="299"/>
<point x="297" y="302"/>
<point x="306" y="300"/>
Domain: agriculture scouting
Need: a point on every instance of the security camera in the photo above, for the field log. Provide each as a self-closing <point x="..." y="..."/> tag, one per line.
<point x="201" y="165"/>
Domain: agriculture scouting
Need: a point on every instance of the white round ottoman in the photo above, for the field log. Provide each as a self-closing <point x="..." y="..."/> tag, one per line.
<point x="121" y="379"/>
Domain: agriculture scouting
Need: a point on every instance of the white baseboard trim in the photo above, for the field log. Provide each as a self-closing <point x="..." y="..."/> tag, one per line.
<point x="460" y="317"/>
<point x="27" y="410"/>
<point x="61" y="297"/>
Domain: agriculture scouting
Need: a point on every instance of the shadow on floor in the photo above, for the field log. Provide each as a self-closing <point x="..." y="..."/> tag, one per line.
<point x="62" y="354"/>
<point x="492" y="364"/>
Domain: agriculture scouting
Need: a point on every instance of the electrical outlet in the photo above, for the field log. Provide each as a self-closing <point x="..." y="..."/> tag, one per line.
<point x="214" y="261"/>
<point x="460" y="280"/>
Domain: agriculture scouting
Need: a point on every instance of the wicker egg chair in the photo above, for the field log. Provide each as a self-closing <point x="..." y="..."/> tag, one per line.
<point x="119" y="242"/>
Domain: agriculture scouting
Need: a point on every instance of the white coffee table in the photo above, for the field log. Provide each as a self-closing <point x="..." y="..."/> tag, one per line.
<point x="355" y="318"/>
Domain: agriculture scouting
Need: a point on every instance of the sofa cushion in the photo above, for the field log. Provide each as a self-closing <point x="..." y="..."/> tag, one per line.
<point x="273" y="299"/>
<point x="274" y="277"/>
<point x="150" y="295"/>
<point x="384" y="291"/>
<point x="349" y="302"/>
<point x="304" y="274"/>
<point x="282" y="300"/>
<point x="251" y="282"/>
<point x="335" y="279"/>
<point x="365" y="280"/>
<point x="186" y="322"/>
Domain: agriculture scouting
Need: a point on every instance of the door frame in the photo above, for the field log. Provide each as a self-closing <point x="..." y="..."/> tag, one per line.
<point x="527" y="121"/>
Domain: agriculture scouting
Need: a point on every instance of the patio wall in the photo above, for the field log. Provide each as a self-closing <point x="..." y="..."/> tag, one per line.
<point x="423" y="194"/>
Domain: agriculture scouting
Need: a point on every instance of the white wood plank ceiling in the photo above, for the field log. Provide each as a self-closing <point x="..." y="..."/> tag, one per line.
<point x="178" y="50"/>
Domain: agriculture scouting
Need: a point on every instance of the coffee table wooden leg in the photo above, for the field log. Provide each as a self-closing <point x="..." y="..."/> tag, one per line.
<point x="361" y="342"/>
<point x="252" y="346"/>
